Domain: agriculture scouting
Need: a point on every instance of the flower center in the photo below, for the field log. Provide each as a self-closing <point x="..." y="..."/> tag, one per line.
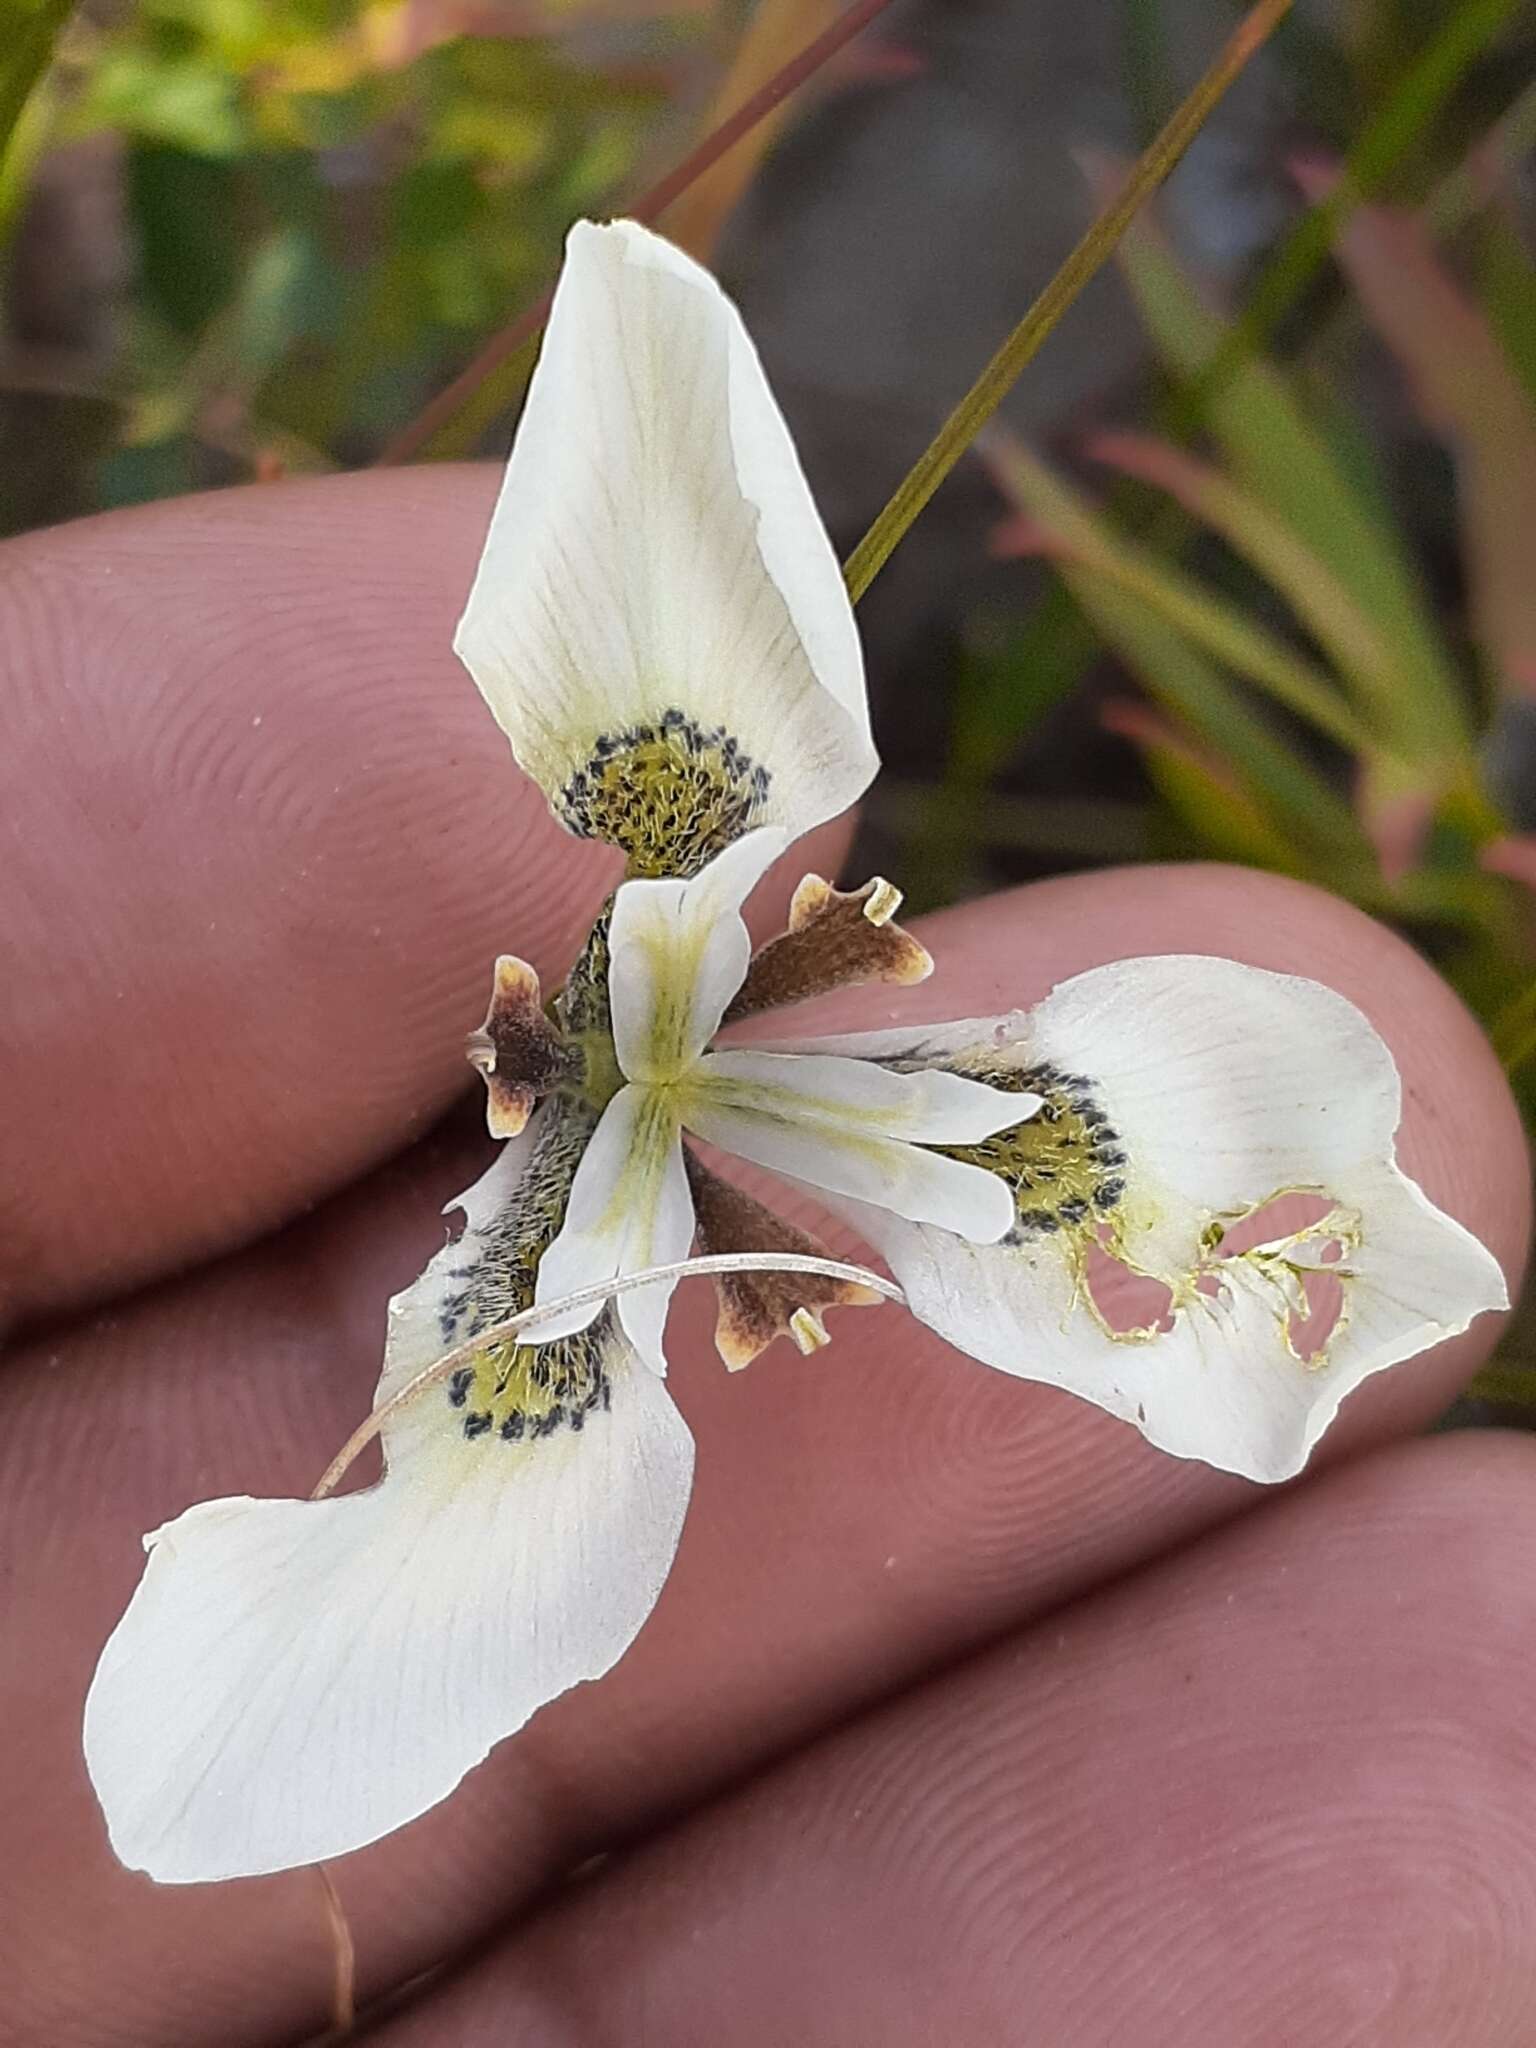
<point x="672" y="794"/>
<point x="521" y="1392"/>
<point x="1065" y="1165"/>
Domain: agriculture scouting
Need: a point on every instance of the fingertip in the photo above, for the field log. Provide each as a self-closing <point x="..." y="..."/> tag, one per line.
<point x="1297" y="1748"/>
<point x="276" y="841"/>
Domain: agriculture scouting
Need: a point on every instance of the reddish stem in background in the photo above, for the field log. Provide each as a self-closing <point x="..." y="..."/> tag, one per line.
<point x="646" y="208"/>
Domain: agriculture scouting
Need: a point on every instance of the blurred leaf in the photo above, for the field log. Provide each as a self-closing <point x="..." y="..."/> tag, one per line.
<point x="434" y="201"/>
<point x="1207" y="621"/>
<point x="1414" y="101"/>
<point x="1514" y="1030"/>
<point x="1083" y="829"/>
<point x="1396" y="805"/>
<point x="511" y="141"/>
<point x="1004" y="685"/>
<point x="184" y="208"/>
<point x="26" y="48"/>
<point x="1507" y="289"/>
<point x="1495" y="156"/>
<point x="1184" y="679"/>
<point x="1199" y="787"/>
<point x="156" y="469"/>
<point x="25" y="111"/>
<point x="775" y="30"/>
<point x="1285" y="462"/>
<point x="1467" y="389"/>
<point x="283" y="290"/>
<point x="1003" y="690"/>
<point x="1513" y="857"/>
<point x="1316" y="826"/>
<point x="1365" y="660"/>
<point x="400" y="32"/>
<point x="1504" y="1386"/>
<point x="190" y="103"/>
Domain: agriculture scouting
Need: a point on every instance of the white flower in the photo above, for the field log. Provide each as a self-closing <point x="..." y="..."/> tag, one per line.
<point x="678" y="954"/>
<point x="660" y="626"/>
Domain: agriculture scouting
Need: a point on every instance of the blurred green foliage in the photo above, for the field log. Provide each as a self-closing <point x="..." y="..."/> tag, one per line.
<point x="325" y="203"/>
<point x="1337" y="680"/>
<point x="1316" y="711"/>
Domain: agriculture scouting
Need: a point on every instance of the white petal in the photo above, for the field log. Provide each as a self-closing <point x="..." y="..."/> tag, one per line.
<point x="677" y="953"/>
<point x="1001" y="1041"/>
<point x="1218" y="1084"/>
<point x="294" y="1679"/>
<point x="629" y="1208"/>
<point x="485" y="1199"/>
<point x="1225" y="1083"/>
<point x="927" y="1108"/>
<point x="1222" y="1384"/>
<point x="655" y="547"/>
<point x="1416" y="1277"/>
<point x="1182" y="1094"/>
<point x="859" y="1129"/>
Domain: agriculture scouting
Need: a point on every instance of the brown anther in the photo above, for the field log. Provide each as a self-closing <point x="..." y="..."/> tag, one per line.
<point x="517" y="1050"/>
<point x="757" y="1307"/>
<point x="836" y="938"/>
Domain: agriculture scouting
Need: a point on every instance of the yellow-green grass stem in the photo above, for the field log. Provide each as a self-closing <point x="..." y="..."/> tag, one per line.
<point x="1086" y="260"/>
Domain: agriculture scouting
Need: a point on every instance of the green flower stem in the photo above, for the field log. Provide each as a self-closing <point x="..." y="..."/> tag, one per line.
<point x="1085" y="261"/>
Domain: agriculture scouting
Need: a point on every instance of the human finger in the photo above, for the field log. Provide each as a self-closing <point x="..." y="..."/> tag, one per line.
<point x="1275" y="1789"/>
<point x="859" y="1518"/>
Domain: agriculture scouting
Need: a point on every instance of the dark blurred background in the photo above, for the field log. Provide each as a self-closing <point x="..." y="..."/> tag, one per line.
<point x="1244" y="573"/>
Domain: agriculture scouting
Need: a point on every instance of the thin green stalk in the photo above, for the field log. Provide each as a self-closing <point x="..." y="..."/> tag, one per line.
<point x="1418" y="98"/>
<point x="1090" y="255"/>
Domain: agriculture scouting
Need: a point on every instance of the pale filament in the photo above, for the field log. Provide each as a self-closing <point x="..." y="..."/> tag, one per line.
<point x="596" y="1290"/>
